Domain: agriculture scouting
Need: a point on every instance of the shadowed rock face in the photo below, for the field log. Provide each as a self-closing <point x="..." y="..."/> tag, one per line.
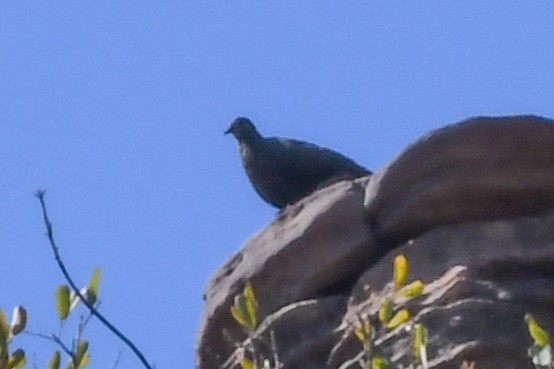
<point x="480" y="219"/>
<point x="283" y="171"/>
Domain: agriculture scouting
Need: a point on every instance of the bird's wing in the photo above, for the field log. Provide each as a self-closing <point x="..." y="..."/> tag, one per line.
<point x="311" y="160"/>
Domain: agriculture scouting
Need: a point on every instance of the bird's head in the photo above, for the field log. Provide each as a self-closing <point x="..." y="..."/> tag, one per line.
<point x="244" y="130"/>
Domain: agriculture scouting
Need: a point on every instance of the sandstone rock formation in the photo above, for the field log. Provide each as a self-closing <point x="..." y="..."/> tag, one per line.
<point x="314" y="248"/>
<point x="480" y="169"/>
<point x="486" y="256"/>
<point x="482" y="277"/>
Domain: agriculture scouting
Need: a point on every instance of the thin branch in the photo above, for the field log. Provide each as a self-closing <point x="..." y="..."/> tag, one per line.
<point x="54" y="339"/>
<point x="117" y="359"/>
<point x="58" y="340"/>
<point x="76" y="341"/>
<point x="97" y="306"/>
<point x="50" y="234"/>
<point x="276" y="362"/>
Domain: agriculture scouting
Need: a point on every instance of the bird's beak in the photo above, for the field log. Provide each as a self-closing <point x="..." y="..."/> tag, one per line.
<point x="227" y="131"/>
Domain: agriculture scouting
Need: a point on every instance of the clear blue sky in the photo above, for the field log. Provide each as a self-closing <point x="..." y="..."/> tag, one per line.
<point x="118" y="109"/>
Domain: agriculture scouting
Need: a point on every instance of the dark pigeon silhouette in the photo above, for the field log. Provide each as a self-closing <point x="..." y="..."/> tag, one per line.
<point x="283" y="170"/>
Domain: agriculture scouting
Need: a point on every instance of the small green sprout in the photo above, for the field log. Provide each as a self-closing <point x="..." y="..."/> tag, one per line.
<point x="540" y="352"/>
<point x="539" y="335"/>
<point x="419" y="346"/>
<point x="414" y="289"/>
<point x="401" y="317"/>
<point x="400" y="271"/>
<point x="363" y="330"/>
<point x="378" y="362"/>
<point x="54" y="362"/>
<point x="245" y="308"/>
<point x="385" y="310"/>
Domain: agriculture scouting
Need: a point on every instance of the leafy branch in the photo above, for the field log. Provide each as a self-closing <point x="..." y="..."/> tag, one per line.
<point x="90" y="299"/>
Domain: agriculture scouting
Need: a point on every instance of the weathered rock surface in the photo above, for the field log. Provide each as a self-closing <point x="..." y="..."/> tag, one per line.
<point x="314" y="248"/>
<point x="475" y="201"/>
<point x="481" y="277"/>
<point x="480" y="169"/>
<point x="304" y="333"/>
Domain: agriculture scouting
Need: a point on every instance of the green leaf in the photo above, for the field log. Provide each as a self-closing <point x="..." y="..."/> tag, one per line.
<point x="400" y="271"/>
<point x="414" y="289"/>
<point x="19" y="320"/>
<point x="92" y="287"/>
<point x="54" y="362"/>
<point x="539" y="335"/>
<point x="378" y="362"/>
<point x="247" y="364"/>
<point x="84" y="361"/>
<point x="4" y="333"/>
<point x="17" y="360"/>
<point x="419" y="345"/>
<point x="82" y="348"/>
<point x="80" y="357"/>
<point x="401" y="317"/>
<point x="385" y="311"/>
<point x="362" y="330"/>
<point x="251" y="305"/>
<point x="245" y="308"/>
<point x="4" y="327"/>
<point x="62" y="301"/>
<point x="238" y="311"/>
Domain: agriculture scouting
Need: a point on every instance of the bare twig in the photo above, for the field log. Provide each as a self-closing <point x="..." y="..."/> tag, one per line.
<point x="89" y="316"/>
<point x="50" y="234"/>
<point x="276" y="362"/>
<point x="54" y="339"/>
<point x="117" y="359"/>
<point x="77" y="340"/>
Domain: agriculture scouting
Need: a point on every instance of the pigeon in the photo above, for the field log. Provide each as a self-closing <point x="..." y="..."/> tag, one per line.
<point x="284" y="170"/>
